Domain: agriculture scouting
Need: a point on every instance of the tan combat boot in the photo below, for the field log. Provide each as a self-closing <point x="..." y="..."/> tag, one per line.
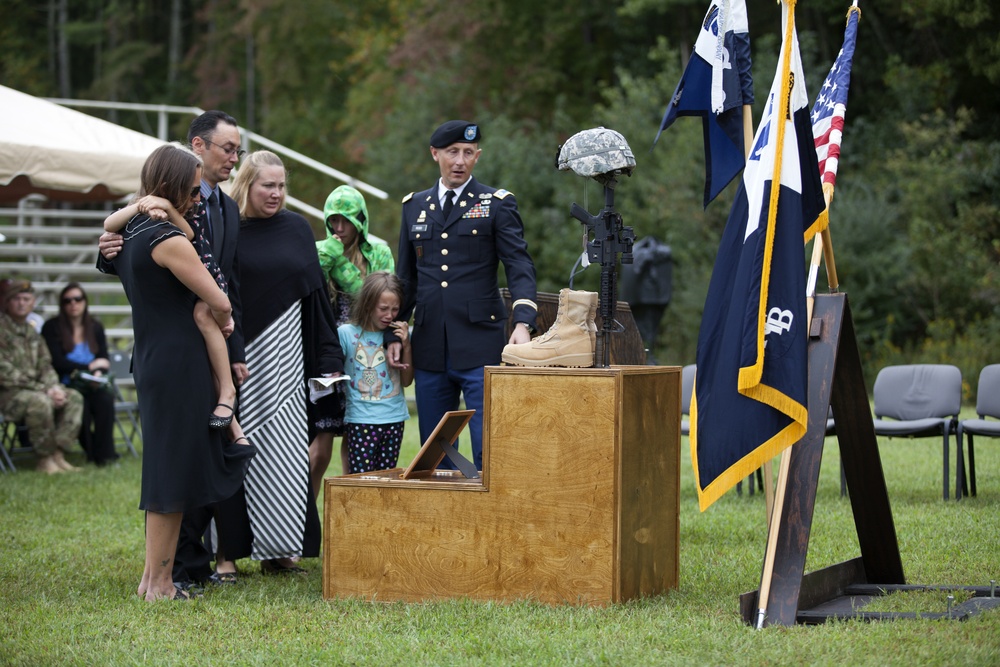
<point x="60" y="460"/>
<point x="569" y="342"/>
<point x="592" y="319"/>
<point x="48" y="465"/>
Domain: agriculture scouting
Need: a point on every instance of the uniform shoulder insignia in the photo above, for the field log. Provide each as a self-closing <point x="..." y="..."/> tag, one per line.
<point x="500" y="194"/>
<point x="407" y="197"/>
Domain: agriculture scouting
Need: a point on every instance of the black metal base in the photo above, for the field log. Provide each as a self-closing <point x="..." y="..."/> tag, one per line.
<point x="851" y="604"/>
<point x="840" y="592"/>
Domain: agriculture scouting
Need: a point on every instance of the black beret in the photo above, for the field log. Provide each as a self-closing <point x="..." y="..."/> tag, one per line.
<point x="455" y="131"/>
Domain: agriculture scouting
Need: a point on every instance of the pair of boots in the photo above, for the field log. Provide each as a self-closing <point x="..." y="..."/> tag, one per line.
<point x="54" y="464"/>
<point x="570" y="341"/>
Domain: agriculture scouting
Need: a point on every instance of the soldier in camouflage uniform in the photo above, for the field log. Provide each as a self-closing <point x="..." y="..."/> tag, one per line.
<point x="29" y="387"/>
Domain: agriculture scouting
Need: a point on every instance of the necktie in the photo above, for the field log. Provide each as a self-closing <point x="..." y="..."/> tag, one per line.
<point x="449" y="203"/>
<point x="214" y="217"/>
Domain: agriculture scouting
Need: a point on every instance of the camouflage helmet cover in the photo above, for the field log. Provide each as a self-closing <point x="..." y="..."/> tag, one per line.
<point x="599" y="153"/>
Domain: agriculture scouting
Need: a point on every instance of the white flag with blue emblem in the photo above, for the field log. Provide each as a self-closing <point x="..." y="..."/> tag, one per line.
<point x="716" y="85"/>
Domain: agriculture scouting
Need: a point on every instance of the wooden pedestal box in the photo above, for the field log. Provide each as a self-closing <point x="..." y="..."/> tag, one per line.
<point x="578" y="501"/>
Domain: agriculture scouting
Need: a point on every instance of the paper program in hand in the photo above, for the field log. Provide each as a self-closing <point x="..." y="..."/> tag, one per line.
<point x="322" y="386"/>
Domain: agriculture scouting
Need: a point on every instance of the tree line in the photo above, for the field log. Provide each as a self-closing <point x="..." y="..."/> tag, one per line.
<point x="361" y="85"/>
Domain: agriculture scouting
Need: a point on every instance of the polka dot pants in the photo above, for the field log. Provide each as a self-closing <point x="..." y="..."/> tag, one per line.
<point x="373" y="446"/>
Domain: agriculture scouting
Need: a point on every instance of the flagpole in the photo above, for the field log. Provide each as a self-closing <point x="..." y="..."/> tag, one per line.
<point x="768" y="472"/>
<point x="774" y="522"/>
<point x="827" y="246"/>
<point x="822" y="248"/>
<point x="747" y="130"/>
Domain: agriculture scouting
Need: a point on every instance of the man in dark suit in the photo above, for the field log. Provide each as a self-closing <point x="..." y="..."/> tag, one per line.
<point x="215" y="137"/>
<point x="452" y="240"/>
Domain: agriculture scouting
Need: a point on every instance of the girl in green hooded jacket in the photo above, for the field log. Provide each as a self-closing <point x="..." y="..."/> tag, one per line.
<point x="347" y="255"/>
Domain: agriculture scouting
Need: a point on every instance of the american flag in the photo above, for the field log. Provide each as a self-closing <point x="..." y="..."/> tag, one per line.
<point x="831" y="104"/>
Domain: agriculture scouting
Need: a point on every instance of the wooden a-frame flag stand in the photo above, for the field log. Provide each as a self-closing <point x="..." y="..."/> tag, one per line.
<point x="835" y="378"/>
<point x="838" y="591"/>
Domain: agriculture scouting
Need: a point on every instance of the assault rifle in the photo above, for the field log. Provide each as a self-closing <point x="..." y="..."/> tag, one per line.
<point x="607" y="239"/>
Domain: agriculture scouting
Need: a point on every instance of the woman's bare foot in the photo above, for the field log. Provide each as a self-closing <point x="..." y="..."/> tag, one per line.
<point x="143" y="584"/>
<point x="172" y="593"/>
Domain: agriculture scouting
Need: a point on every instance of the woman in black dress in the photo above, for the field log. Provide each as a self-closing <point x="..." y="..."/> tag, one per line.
<point x="185" y="463"/>
<point x="78" y="345"/>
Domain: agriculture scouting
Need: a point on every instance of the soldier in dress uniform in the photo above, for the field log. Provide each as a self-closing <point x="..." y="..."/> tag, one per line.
<point x="30" y="390"/>
<point x="452" y="239"/>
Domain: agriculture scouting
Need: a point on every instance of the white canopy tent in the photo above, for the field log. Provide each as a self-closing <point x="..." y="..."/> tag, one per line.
<point x="64" y="154"/>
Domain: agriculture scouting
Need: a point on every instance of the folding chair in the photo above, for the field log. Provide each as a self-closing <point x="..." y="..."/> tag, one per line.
<point x="920" y="400"/>
<point x="5" y="461"/>
<point x="987" y="405"/>
<point x="13" y="442"/>
<point x="121" y="368"/>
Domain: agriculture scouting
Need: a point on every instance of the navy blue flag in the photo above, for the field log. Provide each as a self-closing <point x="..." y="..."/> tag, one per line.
<point x="750" y="387"/>
<point x="716" y="85"/>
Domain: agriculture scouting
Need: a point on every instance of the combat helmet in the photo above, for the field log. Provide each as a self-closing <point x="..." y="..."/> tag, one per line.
<point x="599" y="153"/>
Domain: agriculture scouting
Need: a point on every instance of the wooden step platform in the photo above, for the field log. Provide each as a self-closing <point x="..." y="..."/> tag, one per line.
<point x="578" y="501"/>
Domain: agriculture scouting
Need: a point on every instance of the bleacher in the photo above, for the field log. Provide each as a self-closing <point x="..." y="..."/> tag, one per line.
<point x="52" y="244"/>
<point x="52" y="247"/>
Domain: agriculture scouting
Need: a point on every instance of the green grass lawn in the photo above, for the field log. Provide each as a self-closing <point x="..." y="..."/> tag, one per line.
<point x="71" y="553"/>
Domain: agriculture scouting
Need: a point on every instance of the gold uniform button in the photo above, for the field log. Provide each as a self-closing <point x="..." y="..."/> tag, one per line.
<point x="444" y="251"/>
<point x="444" y="283"/>
<point x="418" y="236"/>
<point x="444" y="235"/>
<point x="475" y="231"/>
<point x="493" y="317"/>
<point x="444" y="267"/>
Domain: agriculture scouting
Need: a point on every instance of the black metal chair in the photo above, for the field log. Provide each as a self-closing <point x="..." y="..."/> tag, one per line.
<point x="987" y="405"/>
<point x="687" y="390"/>
<point x="6" y="464"/>
<point x="13" y="442"/>
<point x="919" y="400"/>
<point x="121" y="368"/>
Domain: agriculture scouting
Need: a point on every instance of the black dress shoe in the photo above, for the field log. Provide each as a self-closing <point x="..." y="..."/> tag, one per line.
<point x="274" y="567"/>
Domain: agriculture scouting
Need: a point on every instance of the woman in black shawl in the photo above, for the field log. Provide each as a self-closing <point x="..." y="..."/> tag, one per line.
<point x="290" y="336"/>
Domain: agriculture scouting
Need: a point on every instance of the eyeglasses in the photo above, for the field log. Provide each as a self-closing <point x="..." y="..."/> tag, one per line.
<point x="195" y="191"/>
<point x="238" y="152"/>
<point x="73" y="299"/>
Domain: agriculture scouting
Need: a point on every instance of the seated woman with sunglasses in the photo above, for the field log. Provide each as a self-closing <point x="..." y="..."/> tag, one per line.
<point x="78" y="345"/>
<point x="159" y="208"/>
